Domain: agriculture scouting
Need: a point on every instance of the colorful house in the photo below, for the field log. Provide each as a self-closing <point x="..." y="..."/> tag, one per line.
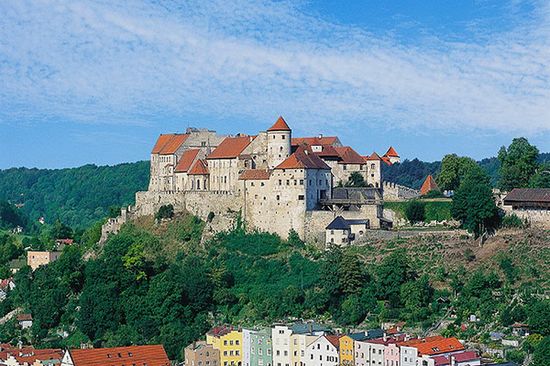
<point x="257" y="347"/>
<point x="230" y="344"/>
<point x="346" y="350"/>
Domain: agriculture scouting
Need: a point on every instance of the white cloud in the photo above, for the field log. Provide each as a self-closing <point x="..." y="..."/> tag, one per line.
<point x="126" y="61"/>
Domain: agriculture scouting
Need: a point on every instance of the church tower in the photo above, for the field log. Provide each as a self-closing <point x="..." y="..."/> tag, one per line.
<point x="278" y="143"/>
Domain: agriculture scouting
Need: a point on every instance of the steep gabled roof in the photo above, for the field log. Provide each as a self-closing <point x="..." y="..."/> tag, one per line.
<point x="386" y="160"/>
<point x="231" y="147"/>
<point x="303" y="158"/>
<point x="186" y="160"/>
<point x="428" y="185"/>
<point x="279" y="125"/>
<point x="169" y="143"/>
<point x="391" y="153"/>
<point x="373" y="156"/>
<point x="255" y="174"/>
<point x="319" y="140"/>
<point x="334" y="340"/>
<point x="348" y="155"/>
<point x="153" y="355"/>
<point x="199" y="168"/>
<point x="339" y="223"/>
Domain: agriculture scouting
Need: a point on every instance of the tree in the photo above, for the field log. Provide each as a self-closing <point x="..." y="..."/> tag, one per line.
<point x="539" y="313"/>
<point x="541" y="179"/>
<point x="453" y="170"/>
<point x="415" y="211"/>
<point x="356" y="180"/>
<point x="518" y="164"/>
<point x="391" y="273"/>
<point x="473" y="203"/>
<point x="542" y="353"/>
<point x="165" y="212"/>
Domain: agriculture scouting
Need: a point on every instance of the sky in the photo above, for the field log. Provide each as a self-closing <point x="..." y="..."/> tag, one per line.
<point x="97" y="81"/>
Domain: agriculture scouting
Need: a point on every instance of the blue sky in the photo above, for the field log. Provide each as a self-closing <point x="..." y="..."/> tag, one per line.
<point x="97" y="81"/>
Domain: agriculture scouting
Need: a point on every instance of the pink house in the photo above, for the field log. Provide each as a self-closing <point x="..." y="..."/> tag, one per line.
<point x="391" y="353"/>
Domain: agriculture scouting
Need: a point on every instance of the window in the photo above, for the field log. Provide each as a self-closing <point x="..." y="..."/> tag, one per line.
<point x="300" y="197"/>
<point x="278" y="198"/>
<point x="283" y="137"/>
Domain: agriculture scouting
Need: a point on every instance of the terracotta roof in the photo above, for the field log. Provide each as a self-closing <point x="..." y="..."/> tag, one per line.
<point x="169" y="143"/>
<point x="373" y="156"/>
<point x="386" y="160"/>
<point x="186" y="160"/>
<point x="279" y="125"/>
<point x="391" y="152"/>
<point x="428" y="185"/>
<point x="328" y="151"/>
<point x="40" y="355"/>
<point x="199" y="168"/>
<point x="303" y="158"/>
<point x="319" y="140"/>
<point x="24" y="317"/>
<point x="255" y="174"/>
<point x="153" y="355"/>
<point x="231" y="147"/>
<point x="220" y="331"/>
<point x="349" y="156"/>
<point x="465" y="356"/>
<point x="435" y="345"/>
<point x="528" y="195"/>
<point x="334" y="340"/>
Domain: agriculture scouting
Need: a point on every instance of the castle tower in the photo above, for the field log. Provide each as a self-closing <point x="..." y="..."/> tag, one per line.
<point x="278" y="143"/>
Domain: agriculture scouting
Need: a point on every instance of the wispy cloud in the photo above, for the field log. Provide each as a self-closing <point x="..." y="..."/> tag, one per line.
<point x="129" y="61"/>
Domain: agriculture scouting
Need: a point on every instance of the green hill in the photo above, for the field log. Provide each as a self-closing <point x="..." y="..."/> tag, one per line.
<point x="76" y="196"/>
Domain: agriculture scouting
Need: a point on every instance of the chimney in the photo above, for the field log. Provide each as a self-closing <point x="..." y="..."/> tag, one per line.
<point x="385" y="337"/>
<point x="320" y="135"/>
<point x="453" y="360"/>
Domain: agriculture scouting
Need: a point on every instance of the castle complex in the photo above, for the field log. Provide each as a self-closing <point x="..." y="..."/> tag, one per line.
<point x="277" y="182"/>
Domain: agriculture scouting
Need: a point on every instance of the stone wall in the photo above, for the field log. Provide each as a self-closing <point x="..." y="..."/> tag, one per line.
<point x="535" y="217"/>
<point x="396" y="192"/>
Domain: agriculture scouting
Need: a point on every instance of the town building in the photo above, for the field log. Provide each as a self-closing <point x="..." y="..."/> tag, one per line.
<point x="229" y="342"/>
<point x="201" y="354"/>
<point x="280" y="338"/>
<point x="342" y="232"/>
<point x="24" y="320"/>
<point x="271" y="174"/>
<point x="150" y="355"/>
<point x="29" y="356"/>
<point x="257" y="347"/>
<point x="36" y="259"/>
<point x="529" y="204"/>
<point x="412" y="351"/>
<point x="466" y="358"/>
<point x="323" y="351"/>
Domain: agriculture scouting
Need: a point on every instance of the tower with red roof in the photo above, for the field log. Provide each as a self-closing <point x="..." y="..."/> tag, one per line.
<point x="279" y="138"/>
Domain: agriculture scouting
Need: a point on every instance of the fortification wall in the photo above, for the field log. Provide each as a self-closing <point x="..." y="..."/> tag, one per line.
<point x="396" y="192"/>
<point x="315" y="224"/>
<point x="538" y="218"/>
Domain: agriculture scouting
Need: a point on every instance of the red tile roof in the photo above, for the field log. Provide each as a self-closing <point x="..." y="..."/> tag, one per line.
<point x="153" y="355"/>
<point x="169" y="143"/>
<point x="220" y="331"/>
<point x="199" y="168"/>
<point x="465" y="356"/>
<point x="24" y="317"/>
<point x="386" y="160"/>
<point x="391" y="153"/>
<point x="186" y="160"/>
<point x="349" y="156"/>
<point x="39" y="355"/>
<point x="320" y="140"/>
<point x="303" y="158"/>
<point x="373" y="156"/>
<point x="279" y="125"/>
<point x="255" y="174"/>
<point x="231" y="147"/>
<point x="428" y="185"/>
<point x="435" y="345"/>
<point x="334" y="340"/>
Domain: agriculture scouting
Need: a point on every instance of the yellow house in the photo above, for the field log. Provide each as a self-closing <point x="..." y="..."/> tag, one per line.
<point x="346" y="351"/>
<point x="230" y="344"/>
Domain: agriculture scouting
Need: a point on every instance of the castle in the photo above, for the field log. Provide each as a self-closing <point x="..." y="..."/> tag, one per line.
<point x="277" y="182"/>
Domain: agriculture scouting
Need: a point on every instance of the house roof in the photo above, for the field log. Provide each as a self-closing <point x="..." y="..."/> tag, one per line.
<point x="152" y="355"/>
<point x="255" y="174"/>
<point x="348" y="155"/>
<point x="24" y="317"/>
<point x="303" y="158"/>
<point x="279" y="125"/>
<point x="186" y="160"/>
<point x="386" y="160"/>
<point x="220" y="331"/>
<point x="465" y="356"/>
<point x="334" y="340"/>
<point x="528" y="195"/>
<point x="303" y="328"/>
<point x="373" y="156"/>
<point x="318" y="140"/>
<point x="391" y="153"/>
<point x="169" y="143"/>
<point x="339" y="223"/>
<point x="428" y="185"/>
<point x="39" y="355"/>
<point x="199" y="168"/>
<point x="436" y="345"/>
<point x="231" y="147"/>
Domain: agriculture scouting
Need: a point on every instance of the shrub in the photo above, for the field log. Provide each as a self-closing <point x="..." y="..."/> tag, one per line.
<point x="210" y="216"/>
<point x="469" y="255"/>
<point x="513" y="221"/>
<point x="165" y="212"/>
<point x="434" y="194"/>
<point x="415" y="211"/>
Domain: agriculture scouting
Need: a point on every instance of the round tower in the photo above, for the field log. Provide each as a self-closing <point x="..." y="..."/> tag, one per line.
<point x="278" y="143"/>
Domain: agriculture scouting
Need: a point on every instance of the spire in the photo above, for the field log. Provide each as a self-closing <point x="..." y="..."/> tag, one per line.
<point x="391" y="152"/>
<point x="428" y="185"/>
<point x="280" y="125"/>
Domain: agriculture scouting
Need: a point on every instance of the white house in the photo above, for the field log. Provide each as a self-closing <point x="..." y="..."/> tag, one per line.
<point x="324" y="351"/>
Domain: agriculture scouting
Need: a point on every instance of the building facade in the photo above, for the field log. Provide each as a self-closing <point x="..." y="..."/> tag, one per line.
<point x="201" y="354"/>
<point x="229" y="342"/>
